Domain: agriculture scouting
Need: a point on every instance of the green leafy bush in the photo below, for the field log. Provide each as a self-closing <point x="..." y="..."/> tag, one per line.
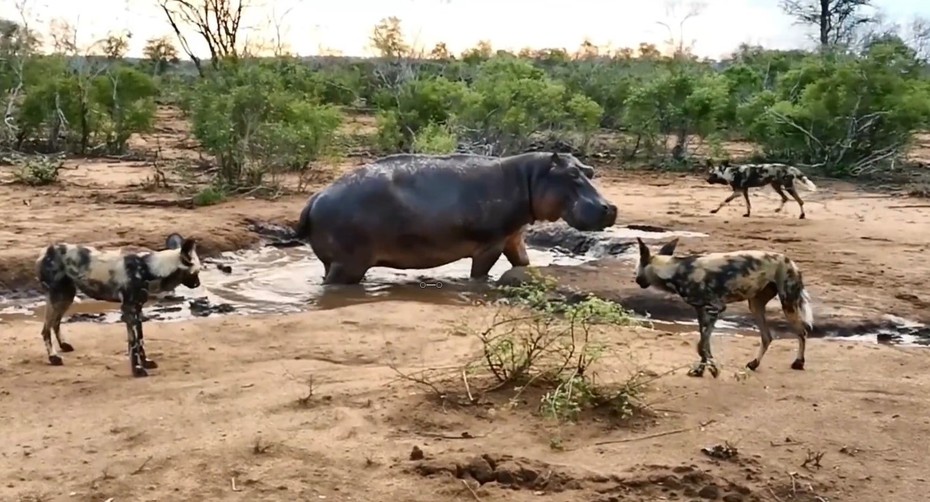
<point x="280" y="128"/>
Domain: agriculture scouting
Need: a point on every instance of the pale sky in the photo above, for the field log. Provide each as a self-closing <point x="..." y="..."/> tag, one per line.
<point x="345" y="25"/>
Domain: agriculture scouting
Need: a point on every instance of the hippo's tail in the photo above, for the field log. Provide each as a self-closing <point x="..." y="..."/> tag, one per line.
<point x="304" y="229"/>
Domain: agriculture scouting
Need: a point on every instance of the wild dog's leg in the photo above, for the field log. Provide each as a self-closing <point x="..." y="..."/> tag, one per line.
<point x="50" y="313"/>
<point x="707" y="318"/>
<point x="791" y="191"/>
<point x="735" y="194"/>
<point x="130" y="309"/>
<point x="63" y="300"/>
<point x="748" y="205"/>
<point x="794" y="318"/>
<point x="784" y="198"/>
<point x="757" y="307"/>
<point x="146" y="362"/>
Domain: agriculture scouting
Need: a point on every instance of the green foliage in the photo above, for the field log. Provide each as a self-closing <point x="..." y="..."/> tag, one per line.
<point x="435" y="139"/>
<point x="256" y="120"/>
<point x="554" y="345"/>
<point x="97" y="106"/>
<point x="851" y="112"/>
<point x="37" y="170"/>
<point x="126" y="98"/>
<point x="845" y="113"/>
<point x="210" y="195"/>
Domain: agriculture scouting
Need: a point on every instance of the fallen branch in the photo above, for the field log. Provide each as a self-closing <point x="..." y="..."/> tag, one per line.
<point x="139" y="469"/>
<point x="470" y="490"/>
<point x="187" y="203"/>
<point x="464" y="435"/>
<point x="656" y="435"/>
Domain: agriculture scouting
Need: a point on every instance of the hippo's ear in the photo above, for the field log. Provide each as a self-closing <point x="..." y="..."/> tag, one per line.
<point x="174" y="241"/>
<point x="669" y="248"/>
<point x="643" y="251"/>
<point x="587" y="170"/>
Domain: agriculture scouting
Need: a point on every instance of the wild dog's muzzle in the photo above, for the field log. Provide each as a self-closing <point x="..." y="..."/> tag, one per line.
<point x="642" y="282"/>
<point x="191" y="281"/>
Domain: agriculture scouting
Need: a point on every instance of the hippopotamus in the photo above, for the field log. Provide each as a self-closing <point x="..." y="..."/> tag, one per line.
<point x="417" y="211"/>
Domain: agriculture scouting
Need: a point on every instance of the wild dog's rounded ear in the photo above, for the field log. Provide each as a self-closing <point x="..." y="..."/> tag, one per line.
<point x="643" y="249"/>
<point x="709" y="163"/>
<point x="725" y="163"/>
<point x="174" y="241"/>
<point x="187" y="247"/>
<point x="669" y="248"/>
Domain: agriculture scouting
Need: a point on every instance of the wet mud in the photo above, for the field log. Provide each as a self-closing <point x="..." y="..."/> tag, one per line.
<point x="282" y="275"/>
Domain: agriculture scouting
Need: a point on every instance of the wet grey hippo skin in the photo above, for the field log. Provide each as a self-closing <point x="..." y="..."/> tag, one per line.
<point x="412" y="211"/>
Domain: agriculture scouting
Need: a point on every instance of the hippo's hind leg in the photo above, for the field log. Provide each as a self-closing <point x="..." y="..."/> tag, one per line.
<point x="483" y="261"/>
<point x="57" y="301"/>
<point x="515" y="250"/>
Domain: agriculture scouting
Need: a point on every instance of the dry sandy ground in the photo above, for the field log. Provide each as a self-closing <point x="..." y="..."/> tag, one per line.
<point x="225" y="404"/>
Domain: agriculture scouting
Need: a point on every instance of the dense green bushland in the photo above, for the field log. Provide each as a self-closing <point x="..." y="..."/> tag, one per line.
<point x="848" y="112"/>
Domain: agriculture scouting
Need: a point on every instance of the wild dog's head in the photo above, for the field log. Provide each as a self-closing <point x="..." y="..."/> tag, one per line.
<point x="188" y="263"/>
<point x="716" y="175"/>
<point x="645" y="272"/>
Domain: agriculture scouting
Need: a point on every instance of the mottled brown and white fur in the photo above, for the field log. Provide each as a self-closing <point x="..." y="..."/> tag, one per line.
<point x="112" y="276"/>
<point x="740" y="178"/>
<point x="710" y="281"/>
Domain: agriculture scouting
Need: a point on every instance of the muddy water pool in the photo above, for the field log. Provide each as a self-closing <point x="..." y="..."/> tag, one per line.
<point x="270" y="279"/>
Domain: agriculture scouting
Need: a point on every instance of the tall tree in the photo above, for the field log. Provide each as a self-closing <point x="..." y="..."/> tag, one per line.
<point x="216" y="21"/>
<point x="388" y="39"/>
<point x="835" y="20"/>
<point x="161" y="52"/>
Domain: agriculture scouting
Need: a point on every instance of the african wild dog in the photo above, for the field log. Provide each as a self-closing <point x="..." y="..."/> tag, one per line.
<point x="113" y="276"/>
<point x="709" y="282"/>
<point x="743" y="177"/>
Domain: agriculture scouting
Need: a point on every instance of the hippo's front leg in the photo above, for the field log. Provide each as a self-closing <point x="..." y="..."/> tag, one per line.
<point x="515" y="250"/>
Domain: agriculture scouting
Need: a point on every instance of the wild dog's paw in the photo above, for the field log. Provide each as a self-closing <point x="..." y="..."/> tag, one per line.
<point x="66" y="347"/>
<point x="714" y="370"/>
<point x="752" y="365"/>
<point x="697" y="370"/>
<point x="55" y="360"/>
<point x="714" y="211"/>
<point x="798" y="364"/>
<point x="746" y="215"/>
<point x="149" y="364"/>
<point x="139" y="371"/>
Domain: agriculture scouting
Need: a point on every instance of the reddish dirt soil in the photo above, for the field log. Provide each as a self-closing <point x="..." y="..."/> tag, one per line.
<point x="223" y="417"/>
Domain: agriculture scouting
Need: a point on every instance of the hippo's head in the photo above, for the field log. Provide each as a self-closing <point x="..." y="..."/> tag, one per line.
<point x="716" y="175"/>
<point x="562" y="189"/>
